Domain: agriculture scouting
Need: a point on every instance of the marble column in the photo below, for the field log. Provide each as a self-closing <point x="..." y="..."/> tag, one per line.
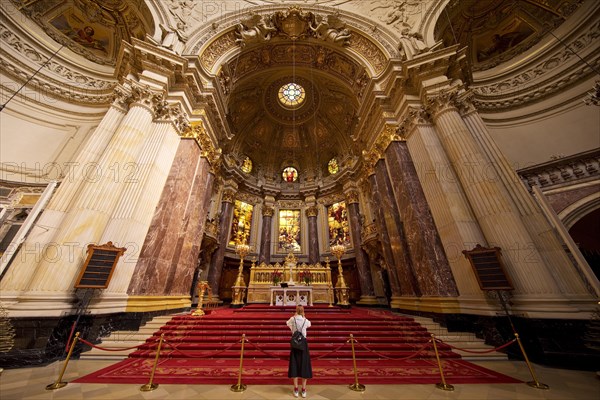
<point x="497" y="215"/>
<point x="547" y="241"/>
<point x="171" y="248"/>
<point x="395" y="249"/>
<point x="216" y="264"/>
<point x="313" y="235"/>
<point x="367" y="293"/>
<point x="92" y="207"/>
<point x="265" y="237"/>
<point x="454" y="220"/>
<point x="428" y="260"/>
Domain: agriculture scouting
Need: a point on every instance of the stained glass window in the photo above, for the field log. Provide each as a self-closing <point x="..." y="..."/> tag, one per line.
<point x="291" y="95"/>
<point x="247" y="165"/>
<point x="333" y="166"/>
<point x="289" y="231"/>
<point x="241" y="223"/>
<point x="337" y="220"/>
<point x="290" y="174"/>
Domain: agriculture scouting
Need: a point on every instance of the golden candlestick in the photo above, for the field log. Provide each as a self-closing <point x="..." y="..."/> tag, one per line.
<point x="338" y="251"/>
<point x="239" y="287"/>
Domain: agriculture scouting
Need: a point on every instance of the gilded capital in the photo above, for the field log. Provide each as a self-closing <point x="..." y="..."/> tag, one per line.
<point x="268" y="211"/>
<point x="351" y="196"/>
<point x="228" y="196"/>
<point x="312" y="211"/>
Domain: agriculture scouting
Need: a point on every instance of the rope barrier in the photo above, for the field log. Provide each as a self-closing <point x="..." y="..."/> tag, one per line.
<point x="175" y="349"/>
<point x="107" y="348"/>
<point x="257" y="347"/>
<point x="392" y="358"/>
<point x="478" y="351"/>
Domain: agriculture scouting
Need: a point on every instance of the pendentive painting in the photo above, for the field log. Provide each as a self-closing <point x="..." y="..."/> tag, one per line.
<point x="289" y="231"/>
<point x="241" y="223"/>
<point x="93" y="36"/>
<point x="337" y="221"/>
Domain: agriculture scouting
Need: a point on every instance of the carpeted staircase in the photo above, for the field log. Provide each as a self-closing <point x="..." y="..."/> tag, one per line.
<point x="389" y="348"/>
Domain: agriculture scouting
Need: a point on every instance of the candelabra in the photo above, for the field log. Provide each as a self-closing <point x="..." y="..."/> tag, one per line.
<point x="341" y="288"/>
<point x="239" y="287"/>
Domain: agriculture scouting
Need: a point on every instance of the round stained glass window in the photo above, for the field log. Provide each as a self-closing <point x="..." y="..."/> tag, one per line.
<point x="290" y="174"/>
<point x="291" y="95"/>
<point x="333" y="166"/>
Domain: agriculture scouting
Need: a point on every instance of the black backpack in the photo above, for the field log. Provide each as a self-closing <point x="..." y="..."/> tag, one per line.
<point x="298" y="340"/>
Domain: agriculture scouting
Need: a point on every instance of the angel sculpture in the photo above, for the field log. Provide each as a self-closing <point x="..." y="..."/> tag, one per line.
<point x="333" y="30"/>
<point x="254" y="30"/>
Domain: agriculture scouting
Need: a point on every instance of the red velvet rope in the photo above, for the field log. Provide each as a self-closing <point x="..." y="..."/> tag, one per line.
<point x="106" y="348"/>
<point x="392" y="358"/>
<point x="175" y="349"/>
<point x="257" y="347"/>
<point x="479" y="351"/>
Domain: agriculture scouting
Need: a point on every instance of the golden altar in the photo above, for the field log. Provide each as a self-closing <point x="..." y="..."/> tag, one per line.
<point x="290" y="272"/>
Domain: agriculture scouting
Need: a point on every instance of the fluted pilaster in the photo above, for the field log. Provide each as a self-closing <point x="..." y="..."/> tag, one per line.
<point x="457" y="227"/>
<point x="498" y="217"/>
<point x="564" y="271"/>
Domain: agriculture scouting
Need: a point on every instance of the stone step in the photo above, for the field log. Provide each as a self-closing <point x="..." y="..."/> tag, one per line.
<point x="125" y="340"/>
<point x="461" y="340"/>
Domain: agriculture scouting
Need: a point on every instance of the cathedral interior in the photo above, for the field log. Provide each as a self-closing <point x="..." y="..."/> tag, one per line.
<point x="393" y="143"/>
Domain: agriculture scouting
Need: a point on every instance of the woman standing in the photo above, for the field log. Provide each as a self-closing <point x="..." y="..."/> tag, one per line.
<point x="299" y="359"/>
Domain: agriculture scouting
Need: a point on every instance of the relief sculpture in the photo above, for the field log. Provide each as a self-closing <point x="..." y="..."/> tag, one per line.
<point x="254" y="30"/>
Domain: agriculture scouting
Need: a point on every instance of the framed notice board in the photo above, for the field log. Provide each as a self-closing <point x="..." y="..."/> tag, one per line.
<point x="99" y="266"/>
<point x="488" y="268"/>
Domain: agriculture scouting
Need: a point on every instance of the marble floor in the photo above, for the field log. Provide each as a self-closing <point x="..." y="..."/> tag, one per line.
<point x="30" y="383"/>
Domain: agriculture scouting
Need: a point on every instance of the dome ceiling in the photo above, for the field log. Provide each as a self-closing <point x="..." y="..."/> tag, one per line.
<point x="275" y="135"/>
<point x="497" y="30"/>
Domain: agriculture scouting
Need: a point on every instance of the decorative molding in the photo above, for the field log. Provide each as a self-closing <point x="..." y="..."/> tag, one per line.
<point x="562" y="171"/>
<point x="390" y="133"/>
<point x="290" y="204"/>
<point x="197" y="131"/>
<point x="539" y="80"/>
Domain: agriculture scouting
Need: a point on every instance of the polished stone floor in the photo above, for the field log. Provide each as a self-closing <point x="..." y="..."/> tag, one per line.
<point x="30" y="383"/>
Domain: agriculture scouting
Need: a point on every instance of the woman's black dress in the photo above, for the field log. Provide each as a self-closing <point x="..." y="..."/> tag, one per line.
<point x="300" y="366"/>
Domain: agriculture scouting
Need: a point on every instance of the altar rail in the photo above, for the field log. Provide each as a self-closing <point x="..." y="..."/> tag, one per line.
<point x="261" y="280"/>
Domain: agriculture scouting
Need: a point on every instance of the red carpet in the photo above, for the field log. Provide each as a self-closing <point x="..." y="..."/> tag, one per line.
<point x="206" y="350"/>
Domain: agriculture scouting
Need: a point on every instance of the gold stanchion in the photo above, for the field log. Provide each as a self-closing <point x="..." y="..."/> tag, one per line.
<point x="443" y="385"/>
<point x="148" y="387"/>
<point x="355" y="386"/>
<point x="59" y="383"/>
<point x="535" y="382"/>
<point x="239" y="387"/>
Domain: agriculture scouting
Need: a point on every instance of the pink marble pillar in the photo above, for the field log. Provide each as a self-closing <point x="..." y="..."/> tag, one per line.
<point x="169" y="255"/>
<point x="428" y="259"/>
<point x="395" y="249"/>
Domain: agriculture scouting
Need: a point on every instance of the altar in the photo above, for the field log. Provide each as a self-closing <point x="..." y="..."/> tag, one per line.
<point x="308" y="284"/>
<point x="291" y="296"/>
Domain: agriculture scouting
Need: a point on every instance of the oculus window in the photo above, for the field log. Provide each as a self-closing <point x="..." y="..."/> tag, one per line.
<point x="290" y="174"/>
<point x="291" y="95"/>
